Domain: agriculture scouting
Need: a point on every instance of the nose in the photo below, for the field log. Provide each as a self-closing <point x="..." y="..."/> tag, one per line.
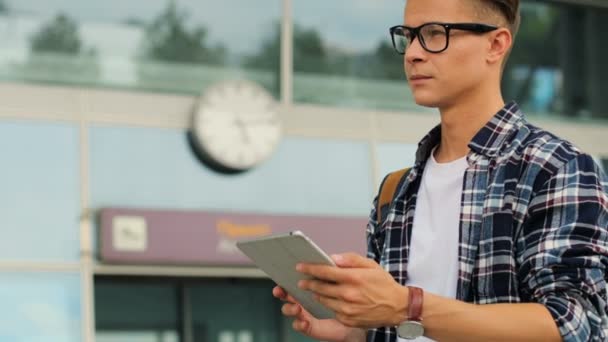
<point x="415" y="52"/>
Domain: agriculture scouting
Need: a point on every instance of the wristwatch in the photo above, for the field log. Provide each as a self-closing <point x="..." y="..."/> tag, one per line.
<point x="412" y="328"/>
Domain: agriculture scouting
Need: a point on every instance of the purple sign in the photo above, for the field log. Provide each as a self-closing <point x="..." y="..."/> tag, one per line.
<point x="166" y="237"/>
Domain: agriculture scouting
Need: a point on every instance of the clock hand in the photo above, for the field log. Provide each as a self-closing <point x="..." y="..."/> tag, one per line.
<point x="244" y="134"/>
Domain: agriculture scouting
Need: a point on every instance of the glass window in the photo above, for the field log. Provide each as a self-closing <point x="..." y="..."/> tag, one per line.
<point x="394" y="156"/>
<point x="180" y="310"/>
<point x="343" y="55"/>
<point x="40" y="196"/>
<point x="249" y="311"/>
<point x="176" y="46"/>
<point x="136" y="311"/>
<point x="40" y="307"/>
<point x="158" y="170"/>
<point x="558" y="63"/>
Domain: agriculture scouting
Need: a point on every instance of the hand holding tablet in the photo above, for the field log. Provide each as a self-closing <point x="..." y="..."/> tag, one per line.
<point x="278" y="255"/>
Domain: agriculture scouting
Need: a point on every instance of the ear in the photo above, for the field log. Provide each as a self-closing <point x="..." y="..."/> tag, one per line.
<point x="500" y="41"/>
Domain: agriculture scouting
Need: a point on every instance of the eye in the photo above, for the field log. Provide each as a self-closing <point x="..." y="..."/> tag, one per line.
<point x="433" y="31"/>
<point x="408" y="35"/>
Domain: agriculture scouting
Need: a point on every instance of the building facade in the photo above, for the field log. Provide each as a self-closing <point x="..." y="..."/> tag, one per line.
<point x="96" y="100"/>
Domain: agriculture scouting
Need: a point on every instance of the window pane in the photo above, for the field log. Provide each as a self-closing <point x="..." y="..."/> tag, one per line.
<point x="40" y="192"/>
<point x="215" y="310"/>
<point x="249" y="311"/>
<point x="343" y="54"/>
<point x="343" y="57"/>
<point x="40" y="308"/>
<point x="135" y="305"/>
<point x="176" y="46"/>
<point x="158" y="170"/>
<point x="136" y="311"/>
<point x="557" y="66"/>
<point x="385" y="154"/>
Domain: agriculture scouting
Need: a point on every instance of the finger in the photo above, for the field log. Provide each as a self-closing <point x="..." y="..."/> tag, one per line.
<point x="279" y="293"/>
<point x="291" y="310"/>
<point x="301" y="326"/>
<point x="353" y="260"/>
<point x="322" y="288"/>
<point x="324" y="272"/>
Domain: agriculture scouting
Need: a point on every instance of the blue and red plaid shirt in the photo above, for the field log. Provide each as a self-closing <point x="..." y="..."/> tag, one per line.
<point x="533" y="226"/>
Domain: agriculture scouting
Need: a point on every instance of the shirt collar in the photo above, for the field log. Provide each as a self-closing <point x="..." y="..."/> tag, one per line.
<point x="488" y="141"/>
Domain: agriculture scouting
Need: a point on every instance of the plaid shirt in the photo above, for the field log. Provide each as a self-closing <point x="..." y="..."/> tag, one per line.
<point x="533" y="226"/>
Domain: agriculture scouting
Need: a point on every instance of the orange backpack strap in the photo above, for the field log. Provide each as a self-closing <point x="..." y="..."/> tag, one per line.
<point x="387" y="191"/>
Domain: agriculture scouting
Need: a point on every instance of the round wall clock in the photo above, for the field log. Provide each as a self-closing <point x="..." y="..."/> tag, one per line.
<point x="235" y="127"/>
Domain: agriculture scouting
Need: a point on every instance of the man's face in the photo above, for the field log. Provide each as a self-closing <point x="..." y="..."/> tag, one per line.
<point x="441" y="79"/>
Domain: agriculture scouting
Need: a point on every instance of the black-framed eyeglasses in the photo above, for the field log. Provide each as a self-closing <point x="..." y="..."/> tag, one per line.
<point x="434" y="37"/>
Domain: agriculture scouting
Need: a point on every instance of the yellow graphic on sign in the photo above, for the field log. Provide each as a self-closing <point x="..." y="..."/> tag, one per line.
<point x="233" y="230"/>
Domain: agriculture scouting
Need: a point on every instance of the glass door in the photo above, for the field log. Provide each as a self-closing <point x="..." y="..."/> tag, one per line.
<point x="144" y="309"/>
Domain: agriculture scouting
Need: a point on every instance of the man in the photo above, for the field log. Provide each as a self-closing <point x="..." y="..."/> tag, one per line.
<point x="502" y="225"/>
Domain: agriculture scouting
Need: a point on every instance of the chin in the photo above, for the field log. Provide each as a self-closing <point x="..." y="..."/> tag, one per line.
<point x="426" y="100"/>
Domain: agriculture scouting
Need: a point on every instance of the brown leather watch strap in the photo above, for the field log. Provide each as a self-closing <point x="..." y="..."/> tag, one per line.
<point x="416" y="295"/>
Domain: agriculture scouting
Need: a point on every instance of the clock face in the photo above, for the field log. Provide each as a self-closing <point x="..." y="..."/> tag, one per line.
<point x="236" y="126"/>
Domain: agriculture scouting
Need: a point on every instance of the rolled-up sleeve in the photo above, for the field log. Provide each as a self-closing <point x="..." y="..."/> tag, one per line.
<point x="563" y="265"/>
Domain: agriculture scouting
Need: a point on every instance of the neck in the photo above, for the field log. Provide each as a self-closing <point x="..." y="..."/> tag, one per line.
<point x="461" y="121"/>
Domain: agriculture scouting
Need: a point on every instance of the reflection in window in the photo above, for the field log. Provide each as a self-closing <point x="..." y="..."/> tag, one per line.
<point x="343" y="57"/>
<point x="248" y="313"/>
<point x="40" y="307"/>
<point x="557" y="65"/>
<point x="178" y="46"/>
<point x="139" y="312"/>
<point x="182" y="310"/>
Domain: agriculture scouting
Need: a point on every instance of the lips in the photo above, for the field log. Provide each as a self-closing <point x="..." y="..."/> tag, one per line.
<point x="418" y="80"/>
<point x="419" y="77"/>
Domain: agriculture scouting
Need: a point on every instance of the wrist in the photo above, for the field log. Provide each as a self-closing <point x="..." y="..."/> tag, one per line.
<point x="412" y="328"/>
<point x="355" y="335"/>
<point x="401" y="306"/>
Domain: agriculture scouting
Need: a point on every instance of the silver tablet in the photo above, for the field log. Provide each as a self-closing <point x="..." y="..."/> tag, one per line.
<point x="277" y="256"/>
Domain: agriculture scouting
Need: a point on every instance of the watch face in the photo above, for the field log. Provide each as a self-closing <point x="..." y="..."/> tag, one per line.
<point x="410" y="330"/>
<point x="236" y="126"/>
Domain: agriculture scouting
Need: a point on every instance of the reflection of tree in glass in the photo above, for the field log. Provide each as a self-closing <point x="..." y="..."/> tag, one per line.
<point x="309" y="52"/>
<point x="536" y="47"/>
<point x="381" y="63"/>
<point x="60" y="35"/>
<point x="268" y="57"/>
<point x="172" y="53"/>
<point x="4" y="9"/>
<point x="168" y="39"/>
<point x="135" y="22"/>
<point x="312" y="55"/>
<point x="57" y="54"/>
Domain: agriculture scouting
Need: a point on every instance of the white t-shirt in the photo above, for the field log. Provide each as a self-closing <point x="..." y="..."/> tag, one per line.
<point x="433" y="256"/>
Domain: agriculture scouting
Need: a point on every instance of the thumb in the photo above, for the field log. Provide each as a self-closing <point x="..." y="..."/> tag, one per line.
<point x="353" y="260"/>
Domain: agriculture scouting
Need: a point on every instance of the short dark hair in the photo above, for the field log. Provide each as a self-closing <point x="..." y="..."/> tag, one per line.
<point x="507" y="9"/>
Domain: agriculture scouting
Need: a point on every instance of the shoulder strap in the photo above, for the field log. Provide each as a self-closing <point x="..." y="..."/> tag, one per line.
<point x="387" y="191"/>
